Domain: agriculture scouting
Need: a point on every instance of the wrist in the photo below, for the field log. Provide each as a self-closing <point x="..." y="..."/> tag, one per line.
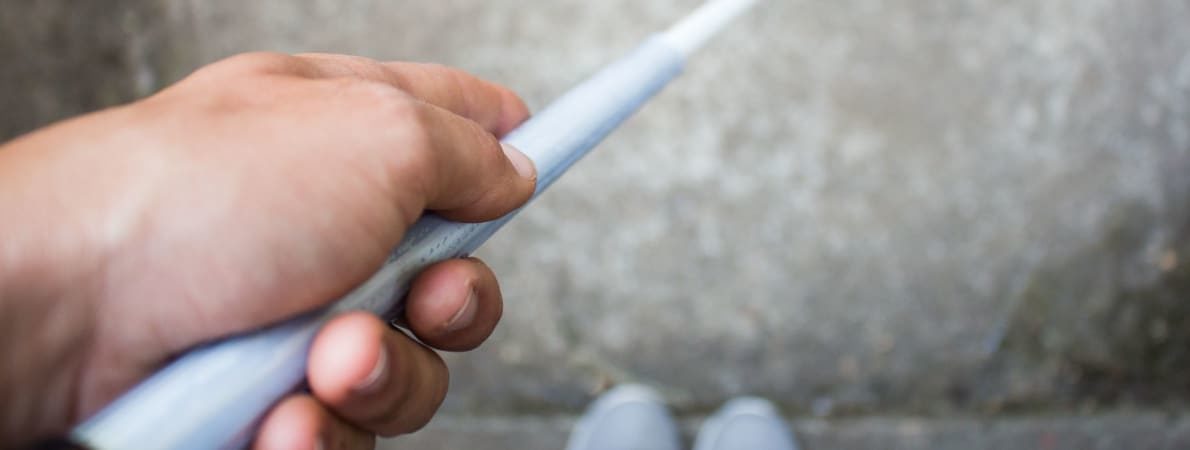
<point x="45" y="324"/>
<point x="44" y="348"/>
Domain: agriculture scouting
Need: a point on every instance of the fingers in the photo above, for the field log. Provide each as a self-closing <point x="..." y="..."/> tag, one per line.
<point x="375" y="377"/>
<point x="383" y="381"/>
<point x="301" y="423"/>
<point x="466" y="174"/>
<point x="454" y="305"/>
<point x="497" y="109"/>
<point x="448" y="162"/>
<point x="432" y="129"/>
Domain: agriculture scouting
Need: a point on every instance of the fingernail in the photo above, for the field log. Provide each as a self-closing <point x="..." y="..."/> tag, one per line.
<point x="520" y="162"/>
<point x="465" y="315"/>
<point x="375" y="379"/>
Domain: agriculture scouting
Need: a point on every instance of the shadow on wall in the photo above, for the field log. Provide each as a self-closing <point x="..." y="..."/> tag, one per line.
<point x="1131" y="345"/>
<point x="65" y="58"/>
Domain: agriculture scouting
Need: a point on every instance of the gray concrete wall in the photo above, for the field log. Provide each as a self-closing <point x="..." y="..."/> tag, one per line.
<point x="928" y="206"/>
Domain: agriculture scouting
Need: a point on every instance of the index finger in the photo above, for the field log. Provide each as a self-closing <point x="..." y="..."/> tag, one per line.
<point x="494" y="107"/>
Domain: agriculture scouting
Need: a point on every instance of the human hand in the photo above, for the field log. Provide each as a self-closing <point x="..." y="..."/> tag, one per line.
<point x="258" y="188"/>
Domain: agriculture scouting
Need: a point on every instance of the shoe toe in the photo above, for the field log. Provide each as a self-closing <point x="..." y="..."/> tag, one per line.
<point x="627" y="417"/>
<point x="746" y="424"/>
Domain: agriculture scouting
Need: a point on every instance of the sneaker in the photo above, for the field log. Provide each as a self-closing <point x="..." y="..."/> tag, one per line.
<point x="628" y="417"/>
<point x="745" y="424"/>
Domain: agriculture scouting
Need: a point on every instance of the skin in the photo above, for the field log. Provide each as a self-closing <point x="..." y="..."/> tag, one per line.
<point x="259" y="187"/>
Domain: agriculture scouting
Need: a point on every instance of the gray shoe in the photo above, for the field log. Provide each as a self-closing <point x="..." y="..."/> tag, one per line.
<point x="746" y="424"/>
<point x="628" y="417"/>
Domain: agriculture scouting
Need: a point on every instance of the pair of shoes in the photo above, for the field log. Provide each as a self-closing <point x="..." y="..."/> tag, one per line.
<point x="634" y="417"/>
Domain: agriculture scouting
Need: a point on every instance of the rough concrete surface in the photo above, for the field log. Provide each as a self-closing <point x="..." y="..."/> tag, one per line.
<point x="1135" y="431"/>
<point x="851" y="207"/>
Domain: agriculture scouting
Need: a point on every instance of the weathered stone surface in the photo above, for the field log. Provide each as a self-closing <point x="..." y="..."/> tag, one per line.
<point x="63" y="58"/>
<point x="849" y="206"/>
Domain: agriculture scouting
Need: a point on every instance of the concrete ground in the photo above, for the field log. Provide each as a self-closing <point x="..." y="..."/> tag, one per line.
<point x="1132" y="430"/>
<point x="882" y="214"/>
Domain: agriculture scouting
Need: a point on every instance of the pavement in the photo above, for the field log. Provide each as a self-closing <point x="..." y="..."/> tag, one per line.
<point x="1133" y="430"/>
<point x="874" y="212"/>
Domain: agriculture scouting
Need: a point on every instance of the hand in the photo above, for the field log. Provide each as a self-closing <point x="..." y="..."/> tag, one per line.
<point x="258" y="188"/>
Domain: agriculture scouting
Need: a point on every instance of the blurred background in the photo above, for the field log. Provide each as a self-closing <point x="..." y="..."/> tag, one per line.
<point x="911" y="223"/>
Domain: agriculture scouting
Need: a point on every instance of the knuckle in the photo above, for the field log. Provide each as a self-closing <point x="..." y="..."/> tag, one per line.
<point x="387" y="102"/>
<point x="402" y="139"/>
<point x="359" y="65"/>
<point x="258" y="63"/>
<point x="392" y="107"/>
<point x="241" y="80"/>
<point x="245" y="75"/>
<point x="398" y="108"/>
<point x="411" y="128"/>
<point x="344" y="65"/>
<point x="436" y="66"/>
<point x="443" y="71"/>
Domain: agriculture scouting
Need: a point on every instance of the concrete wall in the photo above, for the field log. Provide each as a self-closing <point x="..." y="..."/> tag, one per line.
<point x="849" y="206"/>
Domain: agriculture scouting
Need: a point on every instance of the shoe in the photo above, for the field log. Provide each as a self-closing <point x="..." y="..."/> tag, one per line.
<point x="628" y="417"/>
<point x="746" y="424"/>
